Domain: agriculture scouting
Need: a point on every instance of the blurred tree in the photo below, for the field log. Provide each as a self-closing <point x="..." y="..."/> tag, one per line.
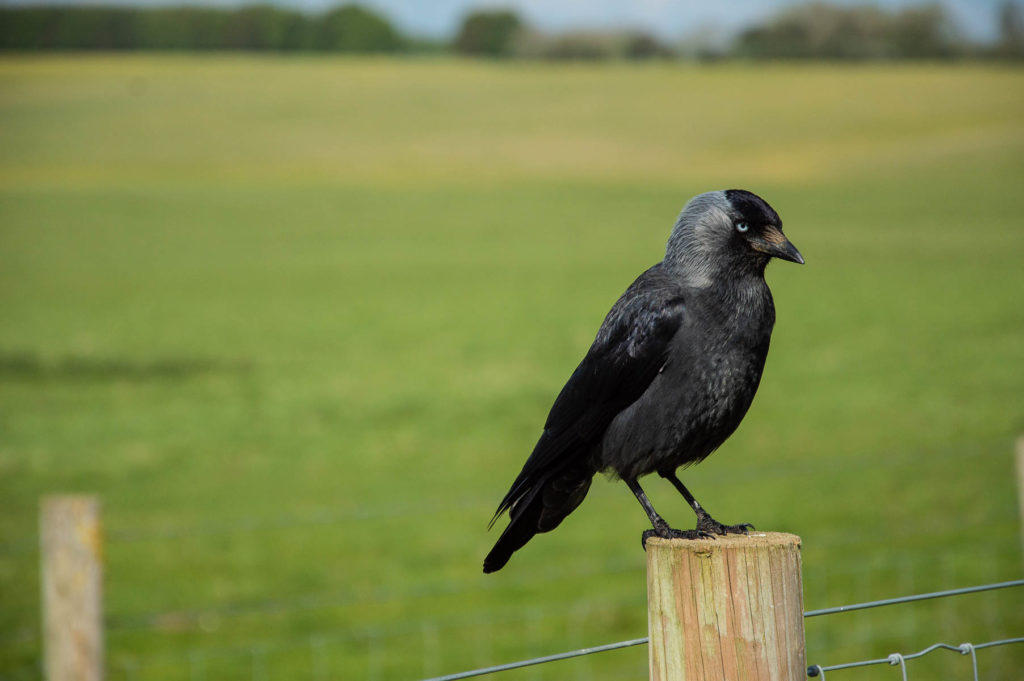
<point x="925" y="31"/>
<point x="85" y="28"/>
<point x="641" y="45"/>
<point x="353" y="28"/>
<point x="256" y="27"/>
<point x="588" y="45"/>
<point x="253" y="27"/>
<point x="490" y="33"/>
<point x="838" y="32"/>
<point x="183" y="28"/>
<point x="296" y="31"/>
<point x="1011" y="30"/>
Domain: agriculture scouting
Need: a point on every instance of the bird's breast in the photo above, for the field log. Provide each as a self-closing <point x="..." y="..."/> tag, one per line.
<point x="708" y="382"/>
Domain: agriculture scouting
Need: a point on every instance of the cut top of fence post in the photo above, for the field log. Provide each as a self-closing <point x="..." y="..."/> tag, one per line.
<point x="726" y="608"/>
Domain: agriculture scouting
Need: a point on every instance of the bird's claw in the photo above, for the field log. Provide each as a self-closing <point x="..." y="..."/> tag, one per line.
<point x="670" y="533"/>
<point x="708" y="524"/>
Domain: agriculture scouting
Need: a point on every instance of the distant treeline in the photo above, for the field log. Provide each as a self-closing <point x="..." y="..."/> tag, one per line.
<point x="258" y="27"/>
<point x="815" y="30"/>
<point x="820" y="30"/>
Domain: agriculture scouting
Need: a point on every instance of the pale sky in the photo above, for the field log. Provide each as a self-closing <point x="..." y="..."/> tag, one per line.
<point x="669" y="19"/>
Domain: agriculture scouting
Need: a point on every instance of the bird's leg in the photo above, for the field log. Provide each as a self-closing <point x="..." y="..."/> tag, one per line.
<point x="705" y="523"/>
<point x="661" y="528"/>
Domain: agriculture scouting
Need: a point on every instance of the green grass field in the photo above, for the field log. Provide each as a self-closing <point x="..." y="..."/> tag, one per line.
<point x="298" y="322"/>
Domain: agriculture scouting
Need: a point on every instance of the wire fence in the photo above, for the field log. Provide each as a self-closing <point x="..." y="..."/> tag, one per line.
<point x="255" y="659"/>
<point x="812" y="671"/>
<point x="202" y="664"/>
<point x="901" y="659"/>
<point x="120" y="625"/>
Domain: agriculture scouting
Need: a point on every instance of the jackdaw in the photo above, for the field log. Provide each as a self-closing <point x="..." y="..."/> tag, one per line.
<point x="672" y="372"/>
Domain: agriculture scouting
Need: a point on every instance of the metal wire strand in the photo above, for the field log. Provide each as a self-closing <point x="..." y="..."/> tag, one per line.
<point x="916" y="597"/>
<point x="540" y="660"/>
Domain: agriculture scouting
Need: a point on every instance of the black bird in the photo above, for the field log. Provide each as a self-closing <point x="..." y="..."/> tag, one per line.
<point x="671" y="374"/>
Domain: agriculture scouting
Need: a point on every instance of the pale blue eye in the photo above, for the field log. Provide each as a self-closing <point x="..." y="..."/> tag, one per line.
<point x="742" y="227"/>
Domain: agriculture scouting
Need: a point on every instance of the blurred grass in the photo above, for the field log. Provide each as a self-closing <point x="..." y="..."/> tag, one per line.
<point x="298" y="322"/>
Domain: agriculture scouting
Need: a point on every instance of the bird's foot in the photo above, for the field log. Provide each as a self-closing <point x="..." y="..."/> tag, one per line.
<point x="667" y="532"/>
<point x="707" y="524"/>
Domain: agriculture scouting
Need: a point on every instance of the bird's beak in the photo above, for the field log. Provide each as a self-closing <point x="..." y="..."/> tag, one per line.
<point x="775" y="244"/>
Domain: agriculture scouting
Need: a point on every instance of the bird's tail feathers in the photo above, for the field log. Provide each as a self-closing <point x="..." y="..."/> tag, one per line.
<point x="541" y="507"/>
<point x="520" y="489"/>
<point x="537" y="470"/>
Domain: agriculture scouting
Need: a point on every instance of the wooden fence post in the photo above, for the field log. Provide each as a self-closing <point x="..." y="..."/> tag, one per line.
<point x="72" y="585"/>
<point x="1020" y="482"/>
<point x="726" y="609"/>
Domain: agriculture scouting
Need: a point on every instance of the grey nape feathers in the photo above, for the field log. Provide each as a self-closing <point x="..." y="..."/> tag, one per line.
<point x="671" y="374"/>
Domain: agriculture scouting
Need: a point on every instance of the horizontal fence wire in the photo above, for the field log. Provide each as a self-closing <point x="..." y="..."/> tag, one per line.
<point x="540" y="660"/>
<point x="818" y="669"/>
<point x="900" y="659"/>
<point x="917" y="597"/>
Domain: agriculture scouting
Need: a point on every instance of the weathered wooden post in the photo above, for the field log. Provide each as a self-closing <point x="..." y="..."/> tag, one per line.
<point x="1020" y="482"/>
<point x="72" y="585"/>
<point x="726" y="609"/>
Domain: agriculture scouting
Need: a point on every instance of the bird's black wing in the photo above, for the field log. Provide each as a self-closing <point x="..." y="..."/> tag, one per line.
<point x="630" y="349"/>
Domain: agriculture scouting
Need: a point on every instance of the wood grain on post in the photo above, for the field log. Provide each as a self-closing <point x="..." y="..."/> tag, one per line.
<point x="72" y="584"/>
<point x="726" y="609"/>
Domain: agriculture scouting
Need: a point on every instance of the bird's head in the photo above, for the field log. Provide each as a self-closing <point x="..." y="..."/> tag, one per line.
<point x="730" y="230"/>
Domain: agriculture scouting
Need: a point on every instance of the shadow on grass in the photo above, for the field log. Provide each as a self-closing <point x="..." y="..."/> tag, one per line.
<point x="29" y="366"/>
